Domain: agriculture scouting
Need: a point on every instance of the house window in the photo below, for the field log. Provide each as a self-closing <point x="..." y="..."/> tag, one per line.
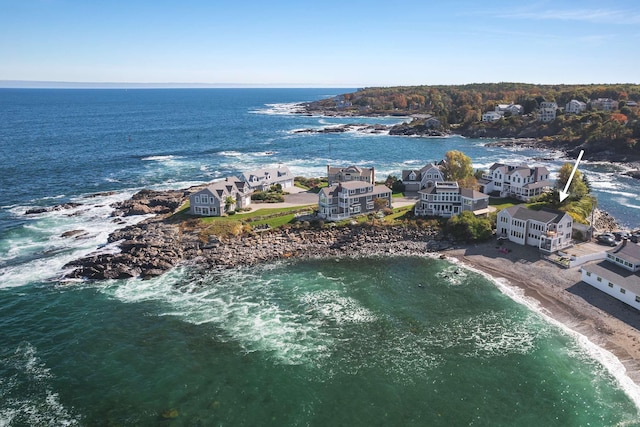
<point x="637" y="298"/>
<point x="610" y="285"/>
<point x="588" y="273"/>
<point x="599" y="279"/>
<point x="623" y="291"/>
<point x="197" y="199"/>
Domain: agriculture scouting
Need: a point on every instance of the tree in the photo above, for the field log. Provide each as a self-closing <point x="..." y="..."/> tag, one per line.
<point x="379" y="203"/>
<point x="468" y="227"/>
<point x="457" y="166"/>
<point x="577" y="188"/>
<point x="229" y="202"/>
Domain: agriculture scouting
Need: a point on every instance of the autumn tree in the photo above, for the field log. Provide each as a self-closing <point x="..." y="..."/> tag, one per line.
<point x="578" y="188"/>
<point x="458" y="168"/>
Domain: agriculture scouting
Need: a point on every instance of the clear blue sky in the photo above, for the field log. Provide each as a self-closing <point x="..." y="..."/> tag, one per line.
<point x="350" y="43"/>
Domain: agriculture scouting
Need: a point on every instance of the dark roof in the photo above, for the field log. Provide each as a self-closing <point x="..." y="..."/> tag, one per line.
<point x="543" y="215"/>
<point x="472" y="194"/>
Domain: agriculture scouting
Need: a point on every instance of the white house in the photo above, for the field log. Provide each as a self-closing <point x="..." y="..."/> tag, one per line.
<point x="547" y="111"/>
<point x="606" y="104"/>
<point x="446" y="199"/>
<point x="519" y="181"/>
<point x="514" y="109"/>
<point x="214" y="199"/>
<point x="575" y="107"/>
<point x="417" y="179"/>
<point x="350" y="173"/>
<point x="491" y="116"/>
<point x="345" y="199"/>
<point x="618" y="275"/>
<point x="263" y="179"/>
<point x="545" y="229"/>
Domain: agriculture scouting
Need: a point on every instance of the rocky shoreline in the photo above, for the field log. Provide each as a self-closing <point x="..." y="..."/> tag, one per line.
<point x="155" y="245"/>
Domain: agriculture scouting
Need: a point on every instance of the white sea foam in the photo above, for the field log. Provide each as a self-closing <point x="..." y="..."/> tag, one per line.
<point x="241" y="305"/>
<point x="611" y="363"/>
<point x="42" y="407"/>
<point x="330" y="304"/>
<point x="283" y="109"/>
<point x="159" y="158"/>
<point x="37" y="251"/>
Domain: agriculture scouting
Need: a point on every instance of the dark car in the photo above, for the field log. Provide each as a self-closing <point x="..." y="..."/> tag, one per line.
<point x="606" y="239"/>
<point x="621" y="235"/>
<point x="635" y="237"/>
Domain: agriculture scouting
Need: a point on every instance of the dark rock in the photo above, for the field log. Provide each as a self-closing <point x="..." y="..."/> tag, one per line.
<point x="60" y="207"/>
<point x="72" y="233"/>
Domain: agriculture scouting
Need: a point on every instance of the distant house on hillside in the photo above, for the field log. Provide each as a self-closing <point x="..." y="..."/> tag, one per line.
<point x="417" y="179"/>
<point x="263" y="179"/>
<point x="575" y="107"/>
<point x="547" y="111"/>
<point x="350" y="173"/>
<point x="446" y="199"/>
<point x="491" y="116"/>
<point x="605" y="104"/>
<point x="545" y="229"/>
<point x="513" y="109"/>
<point x="432" y="123"/>
<point x="618" y="275"/>
<point x="345" y="199"/>
<point x="519" y="181"/>
<point x="214" y="199"/>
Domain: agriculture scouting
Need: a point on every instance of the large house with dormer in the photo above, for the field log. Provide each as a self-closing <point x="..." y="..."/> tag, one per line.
<point x="263" y="179"/>
<point x="417" y="179"/>
<point x="446" y="199"/>
<point x="350" y="173"/>
<point x="545" y="229"/>
<point x="346" y="199"/>
<point x="618" y="275"/>
<point x="220" y="197"/>
<point x="519" y="181"/>
<point x="604" y="104"/>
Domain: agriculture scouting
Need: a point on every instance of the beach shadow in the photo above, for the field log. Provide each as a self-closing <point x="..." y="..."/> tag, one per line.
<point x="607" y="303"/>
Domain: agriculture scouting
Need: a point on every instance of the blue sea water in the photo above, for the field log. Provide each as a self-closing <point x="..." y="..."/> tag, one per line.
<point x="306" y="343"/>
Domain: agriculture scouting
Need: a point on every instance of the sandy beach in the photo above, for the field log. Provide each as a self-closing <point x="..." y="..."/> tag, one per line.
<point x="562" y="295"/>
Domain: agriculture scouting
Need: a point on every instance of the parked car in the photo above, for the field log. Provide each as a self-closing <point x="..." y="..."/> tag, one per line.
<point x="606" y="239"/>
<point x="635" y="237"/>
<point x="621" y="235"/>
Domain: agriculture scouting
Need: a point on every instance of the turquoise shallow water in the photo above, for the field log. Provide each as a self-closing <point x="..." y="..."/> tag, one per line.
<point x="332" y="342"/>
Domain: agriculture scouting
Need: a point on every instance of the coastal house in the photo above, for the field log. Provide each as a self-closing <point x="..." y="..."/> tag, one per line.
<point x="263" y="179"/>
<point x="547" y="111"/>
<point x="215" y="199"/>
<point x="417" y="179"/>
<point x="618" y="275"/>
<point x="575" y="107"/>
<point x="432" y="123"/>
<point x="446" y="199"/>
<point x="350" y="173"/>
<point x="491" y="116"/>
<point x="604" y="104"/>
<point x="345" y="199"/>
<point x="513" y="109"/>
<point x="519" y="181"/>
<point x="545" y="229"/>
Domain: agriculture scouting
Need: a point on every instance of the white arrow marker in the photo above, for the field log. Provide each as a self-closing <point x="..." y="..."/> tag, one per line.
<point x="564" y="194"/>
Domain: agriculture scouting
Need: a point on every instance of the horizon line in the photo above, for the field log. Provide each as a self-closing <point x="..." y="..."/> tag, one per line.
<point x="54" y="84"/>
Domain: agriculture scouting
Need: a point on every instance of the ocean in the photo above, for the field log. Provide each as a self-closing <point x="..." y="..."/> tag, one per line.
<point x="324" y="342"/>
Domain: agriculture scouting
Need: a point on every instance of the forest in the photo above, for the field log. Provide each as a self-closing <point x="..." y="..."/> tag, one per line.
<point x="459" y="109"/>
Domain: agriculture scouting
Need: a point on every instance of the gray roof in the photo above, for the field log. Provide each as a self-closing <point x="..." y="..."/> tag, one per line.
<point x="615" y="274"/>
<point x="472" y="194"/>
<point x="627" y="250"/>
<point x="281" y="172"/>
<point x="543" y="215"/>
